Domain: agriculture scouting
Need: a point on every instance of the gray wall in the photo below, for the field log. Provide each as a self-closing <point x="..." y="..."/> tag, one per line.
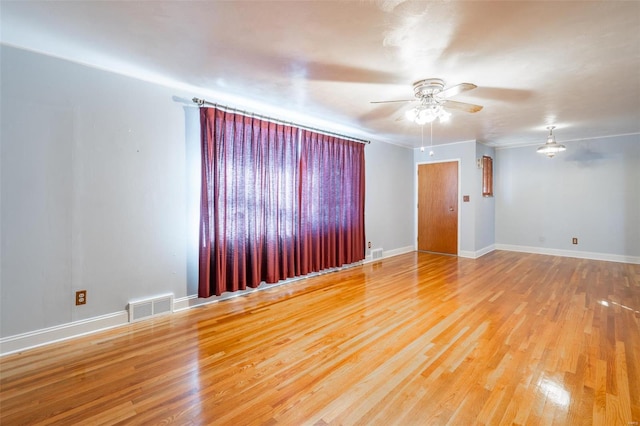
<point x="591" y="191"/>
<point x="389" y="196"/>
<point x="93" y="191"/>
<point x="485" y="210"/>
<point x="100" y="191"/>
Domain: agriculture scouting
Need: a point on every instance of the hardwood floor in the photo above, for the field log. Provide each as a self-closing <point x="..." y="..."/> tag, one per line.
<point x="417" y="339"/>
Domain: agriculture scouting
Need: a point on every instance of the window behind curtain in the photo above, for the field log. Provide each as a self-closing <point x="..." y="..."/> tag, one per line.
<point x="277" y="202"/>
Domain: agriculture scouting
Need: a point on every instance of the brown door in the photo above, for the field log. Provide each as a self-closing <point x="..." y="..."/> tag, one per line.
<point x="438" y="207"/>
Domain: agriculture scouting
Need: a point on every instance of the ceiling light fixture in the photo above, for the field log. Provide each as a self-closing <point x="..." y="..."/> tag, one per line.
<point x="428" y="110"/>
<point x="551" y="148"/>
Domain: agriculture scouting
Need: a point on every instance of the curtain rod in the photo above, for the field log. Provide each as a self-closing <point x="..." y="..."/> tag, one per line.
<point x="202" y="102"/>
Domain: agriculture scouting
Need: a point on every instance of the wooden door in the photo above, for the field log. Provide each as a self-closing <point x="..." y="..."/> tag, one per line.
<point x="438" y="207"/>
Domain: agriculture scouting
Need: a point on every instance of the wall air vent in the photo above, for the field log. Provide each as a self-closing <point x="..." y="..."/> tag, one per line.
<point x="376" y="254"/>
<point x="152" y="307"/>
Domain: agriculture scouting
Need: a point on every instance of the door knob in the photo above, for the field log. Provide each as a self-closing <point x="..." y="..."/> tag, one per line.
<point x="450" y="209"/>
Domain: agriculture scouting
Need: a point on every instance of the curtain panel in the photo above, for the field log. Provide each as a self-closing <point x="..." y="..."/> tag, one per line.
<point x="277" y="202"/>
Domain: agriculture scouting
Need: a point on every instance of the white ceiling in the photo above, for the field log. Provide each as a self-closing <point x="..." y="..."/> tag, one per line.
<point x="572" y="64"/>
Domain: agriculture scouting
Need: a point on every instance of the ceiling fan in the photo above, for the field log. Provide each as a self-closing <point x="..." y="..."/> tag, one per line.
<point x="432" y="95"/>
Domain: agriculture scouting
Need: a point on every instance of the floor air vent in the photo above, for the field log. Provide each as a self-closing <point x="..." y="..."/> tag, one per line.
<point x="376" y="254"/>
<point x="147" y="308"/>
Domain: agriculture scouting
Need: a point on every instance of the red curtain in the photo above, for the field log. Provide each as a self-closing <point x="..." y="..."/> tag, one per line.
<point x="331" y="202"/>
<point x="276" y="202"/>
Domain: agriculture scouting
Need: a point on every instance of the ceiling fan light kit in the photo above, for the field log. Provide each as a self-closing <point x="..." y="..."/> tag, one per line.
<point x="551" y="147"/>
<point x="424" y="114"/>
<point x="432" y="95"/>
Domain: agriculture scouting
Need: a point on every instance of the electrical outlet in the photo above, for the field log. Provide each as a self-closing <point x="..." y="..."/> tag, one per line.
<point x="81" y="297"/>
<point x="369" y="244"/>
<point x="575" y="240"/>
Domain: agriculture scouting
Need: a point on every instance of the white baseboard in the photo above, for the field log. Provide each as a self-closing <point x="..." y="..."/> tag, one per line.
<point x="398" y="251"/>
<point x="182" y="303"/>
<point x="467" y="254"/>
<point x="193" y="301"/>
<point x="33" y="339"/>
<point x="478" y="253"/>
<point x="57" y="333"/>
<point x="391" y="253"/>
<point x="570" y="253"/>
<point x="483" y="251"/>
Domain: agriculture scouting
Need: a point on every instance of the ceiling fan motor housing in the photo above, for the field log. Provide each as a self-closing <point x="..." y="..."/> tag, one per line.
<point x="427" y="87"/>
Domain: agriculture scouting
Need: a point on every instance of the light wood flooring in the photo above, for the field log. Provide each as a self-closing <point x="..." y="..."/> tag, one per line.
<point x="417" y="339"/>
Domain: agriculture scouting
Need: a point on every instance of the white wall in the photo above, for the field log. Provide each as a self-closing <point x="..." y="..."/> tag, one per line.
<point x="591" y="191"/>
<point x="100" y="191"/>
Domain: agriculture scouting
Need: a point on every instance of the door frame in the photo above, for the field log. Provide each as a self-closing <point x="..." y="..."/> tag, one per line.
<point x="415" y="198"/>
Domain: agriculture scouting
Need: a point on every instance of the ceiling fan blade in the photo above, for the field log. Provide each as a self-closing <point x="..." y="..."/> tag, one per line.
<point x="389" y="102"/>
<point x="342" y="73"/>
<point x="462" y="106"/>
<point x="379" y="112"/>
<point x="454" y="90"/>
